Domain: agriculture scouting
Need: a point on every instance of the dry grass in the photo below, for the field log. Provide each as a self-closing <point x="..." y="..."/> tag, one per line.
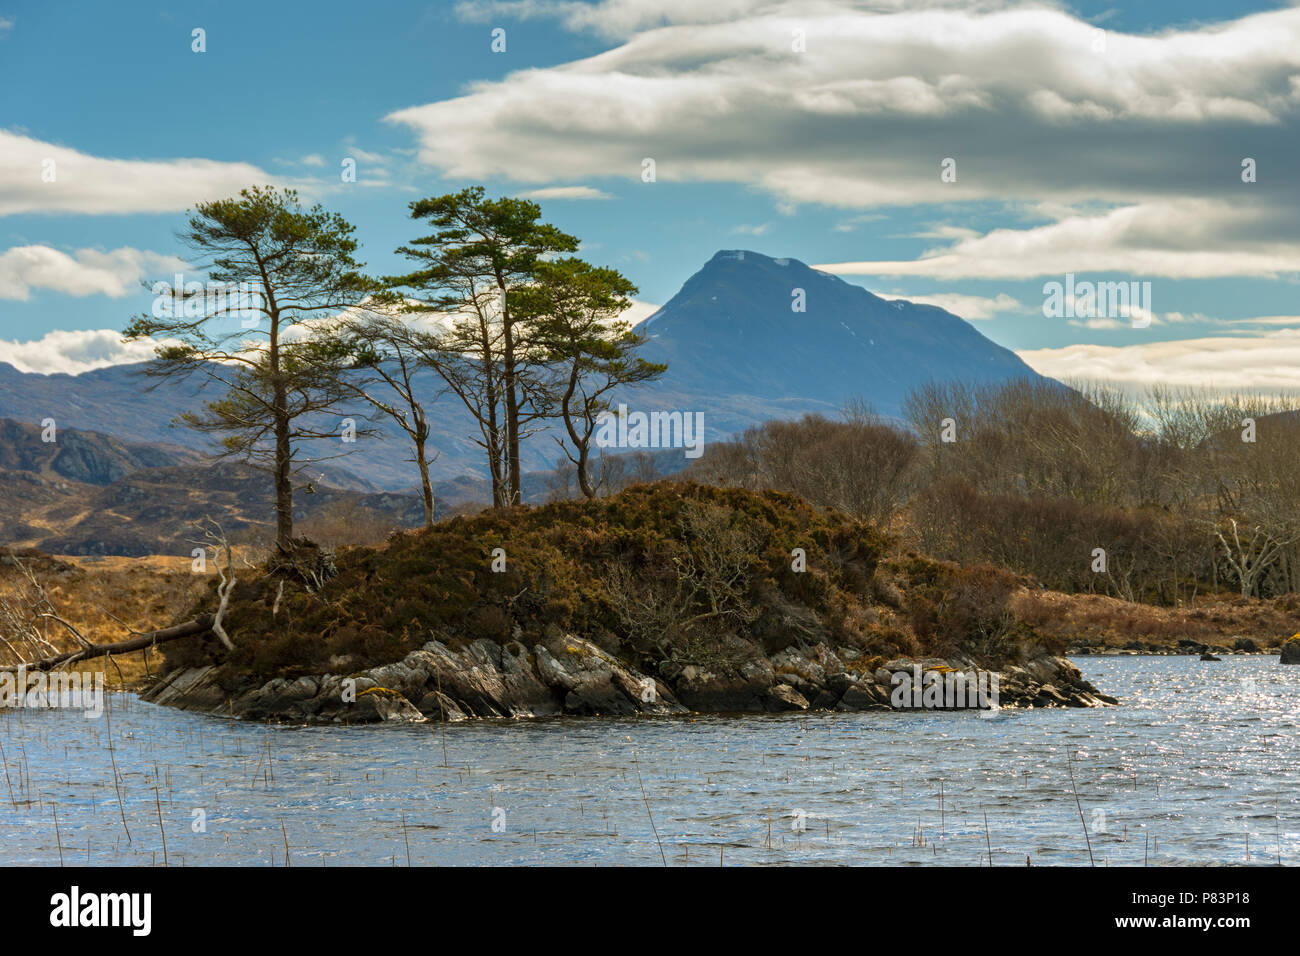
<point x="106" y="598"/>
<point x="1092" y="618"/>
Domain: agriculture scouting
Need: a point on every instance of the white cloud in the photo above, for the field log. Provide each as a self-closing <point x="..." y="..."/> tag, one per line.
<point x="84" y="272"/>
<point x="1287" y="320"/>
<point x="612" y="18"/>
<point x="95" y="185"/>
<point x="622" y="18"/>
<point x="639" y="311"/>
<point x="567" y="192"/>
<point x="969" y="307"/>
<point x="1261" y="362"/>
<point x="1154" y="126"/>
<point x="706" y="92"/>
<point x="74" y="352"/>
<point x="1177" y="238"/>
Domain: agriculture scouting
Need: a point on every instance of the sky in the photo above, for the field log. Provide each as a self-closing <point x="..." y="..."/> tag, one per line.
<point x="962" y="154"/>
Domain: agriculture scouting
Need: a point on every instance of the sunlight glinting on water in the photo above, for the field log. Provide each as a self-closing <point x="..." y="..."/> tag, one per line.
<point x="1199" y="765"/>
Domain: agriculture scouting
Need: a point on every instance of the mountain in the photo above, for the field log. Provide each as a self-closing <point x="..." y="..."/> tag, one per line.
<point x="733" y="341"/>
<point x="736" y="352"/>
<point x="161" y="510"/>
<point x="89" y="457"/>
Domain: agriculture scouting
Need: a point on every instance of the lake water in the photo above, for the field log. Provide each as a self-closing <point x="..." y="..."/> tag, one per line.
<point x="1201" y="765"/>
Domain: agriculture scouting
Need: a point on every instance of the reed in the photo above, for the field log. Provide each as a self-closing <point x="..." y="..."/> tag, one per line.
<point x="1070" y="764"/>
<point x="5" y="760"/>
<point x="407" y="839"/>
<point x="158" y="804"/>
<point x="988" y="842"/>
<point x="646" y="801"/>
<point x="57" y="836"/>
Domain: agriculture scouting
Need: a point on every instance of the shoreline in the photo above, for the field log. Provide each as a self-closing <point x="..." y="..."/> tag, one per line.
<point x="572" y="676"/>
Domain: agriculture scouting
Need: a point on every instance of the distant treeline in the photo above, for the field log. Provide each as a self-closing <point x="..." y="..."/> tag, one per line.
<point x="1089" y="490"/>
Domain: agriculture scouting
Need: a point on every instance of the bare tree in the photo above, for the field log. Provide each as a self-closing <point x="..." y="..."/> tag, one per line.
<point x="390" y="352"/>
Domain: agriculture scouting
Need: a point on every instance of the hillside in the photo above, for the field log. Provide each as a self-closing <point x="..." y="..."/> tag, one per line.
<point x="159" y="510"/>
<point x="735" y="346"/>
<point x="735" y="351"/>
<point x="83" y="456"/>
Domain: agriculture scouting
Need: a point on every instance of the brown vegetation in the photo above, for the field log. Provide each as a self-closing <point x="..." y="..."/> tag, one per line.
<point x="1164" y="501"/>
<point x="661" y="576"/>
<point x="106" y="599"/>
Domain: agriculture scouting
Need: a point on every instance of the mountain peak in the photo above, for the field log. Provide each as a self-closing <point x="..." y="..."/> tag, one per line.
<point x="752" y="324"/>
<point x="743" y="255"/>
<point x="742" y="258"/>
<point x="780" y="270"/>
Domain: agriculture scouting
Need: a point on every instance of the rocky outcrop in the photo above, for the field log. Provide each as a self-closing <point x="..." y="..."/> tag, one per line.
<point x="1184" y="648"/>
<point x="566" y="674"/>
<point x="1290" y="651"/>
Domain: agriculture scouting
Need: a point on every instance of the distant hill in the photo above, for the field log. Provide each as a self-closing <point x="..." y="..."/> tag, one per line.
<point x="91" y="494"/>
<point x="89" y="457"/>
<point x="160" y="510"/>
<point x="734" y="343"/>
<point x="736" y="351"/>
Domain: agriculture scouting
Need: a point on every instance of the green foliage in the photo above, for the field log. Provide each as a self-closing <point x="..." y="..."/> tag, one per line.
<point x="290" y="265"/>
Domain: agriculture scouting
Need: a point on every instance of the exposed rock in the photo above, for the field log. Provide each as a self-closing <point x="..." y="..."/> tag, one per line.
<point x="1049" y="696"/>
<point x="386" y="706"/>
<point x="736" y="686"/>
<point x="567" y="674"/>
<point x="594" y="682"/>
<point x="785" y="697"/>
<point x="1290" y="652"/>
<point x="864" y="696"/>
<point x="440" y="707"/>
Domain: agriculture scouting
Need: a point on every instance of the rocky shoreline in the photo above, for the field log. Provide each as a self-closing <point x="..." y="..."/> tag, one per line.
<point x="1184" y="648"/>
<point x="571" y="675"/>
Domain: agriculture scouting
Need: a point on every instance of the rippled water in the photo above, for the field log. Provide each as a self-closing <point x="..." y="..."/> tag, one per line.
<point x="1199" y="765"/>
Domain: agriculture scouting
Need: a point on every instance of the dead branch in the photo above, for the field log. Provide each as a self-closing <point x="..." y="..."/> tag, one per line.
<point x="198" y="625"/>
<point x="216" y="541"/>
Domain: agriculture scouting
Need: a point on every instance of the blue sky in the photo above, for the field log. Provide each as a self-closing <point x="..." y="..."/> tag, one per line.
<point x="1100" y="139"/>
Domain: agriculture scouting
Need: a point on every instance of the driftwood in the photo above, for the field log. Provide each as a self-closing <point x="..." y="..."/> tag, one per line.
<point x="198" y="625"/>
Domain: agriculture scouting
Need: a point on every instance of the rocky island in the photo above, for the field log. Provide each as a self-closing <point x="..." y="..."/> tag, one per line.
<point x="665" y="599"/>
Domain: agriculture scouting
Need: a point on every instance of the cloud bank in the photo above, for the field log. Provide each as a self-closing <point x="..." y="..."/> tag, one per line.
<point x="74" y="352"/>
<point x="1127" y="149"/>
<point x="95" y="185"/>
<point x="24" y="269"/>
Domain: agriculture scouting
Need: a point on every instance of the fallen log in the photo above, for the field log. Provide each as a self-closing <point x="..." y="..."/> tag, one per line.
<point x="198" y="625"/>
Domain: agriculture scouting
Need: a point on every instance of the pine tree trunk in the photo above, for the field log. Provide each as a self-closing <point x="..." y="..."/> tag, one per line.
<point x="512" y="399"/>
<point x="283" y="449"/>
<point x="425" y="486"/>
<point x="512" y="432"/>
<point x="283" y="480"/>
<point x="584" y="479"/>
